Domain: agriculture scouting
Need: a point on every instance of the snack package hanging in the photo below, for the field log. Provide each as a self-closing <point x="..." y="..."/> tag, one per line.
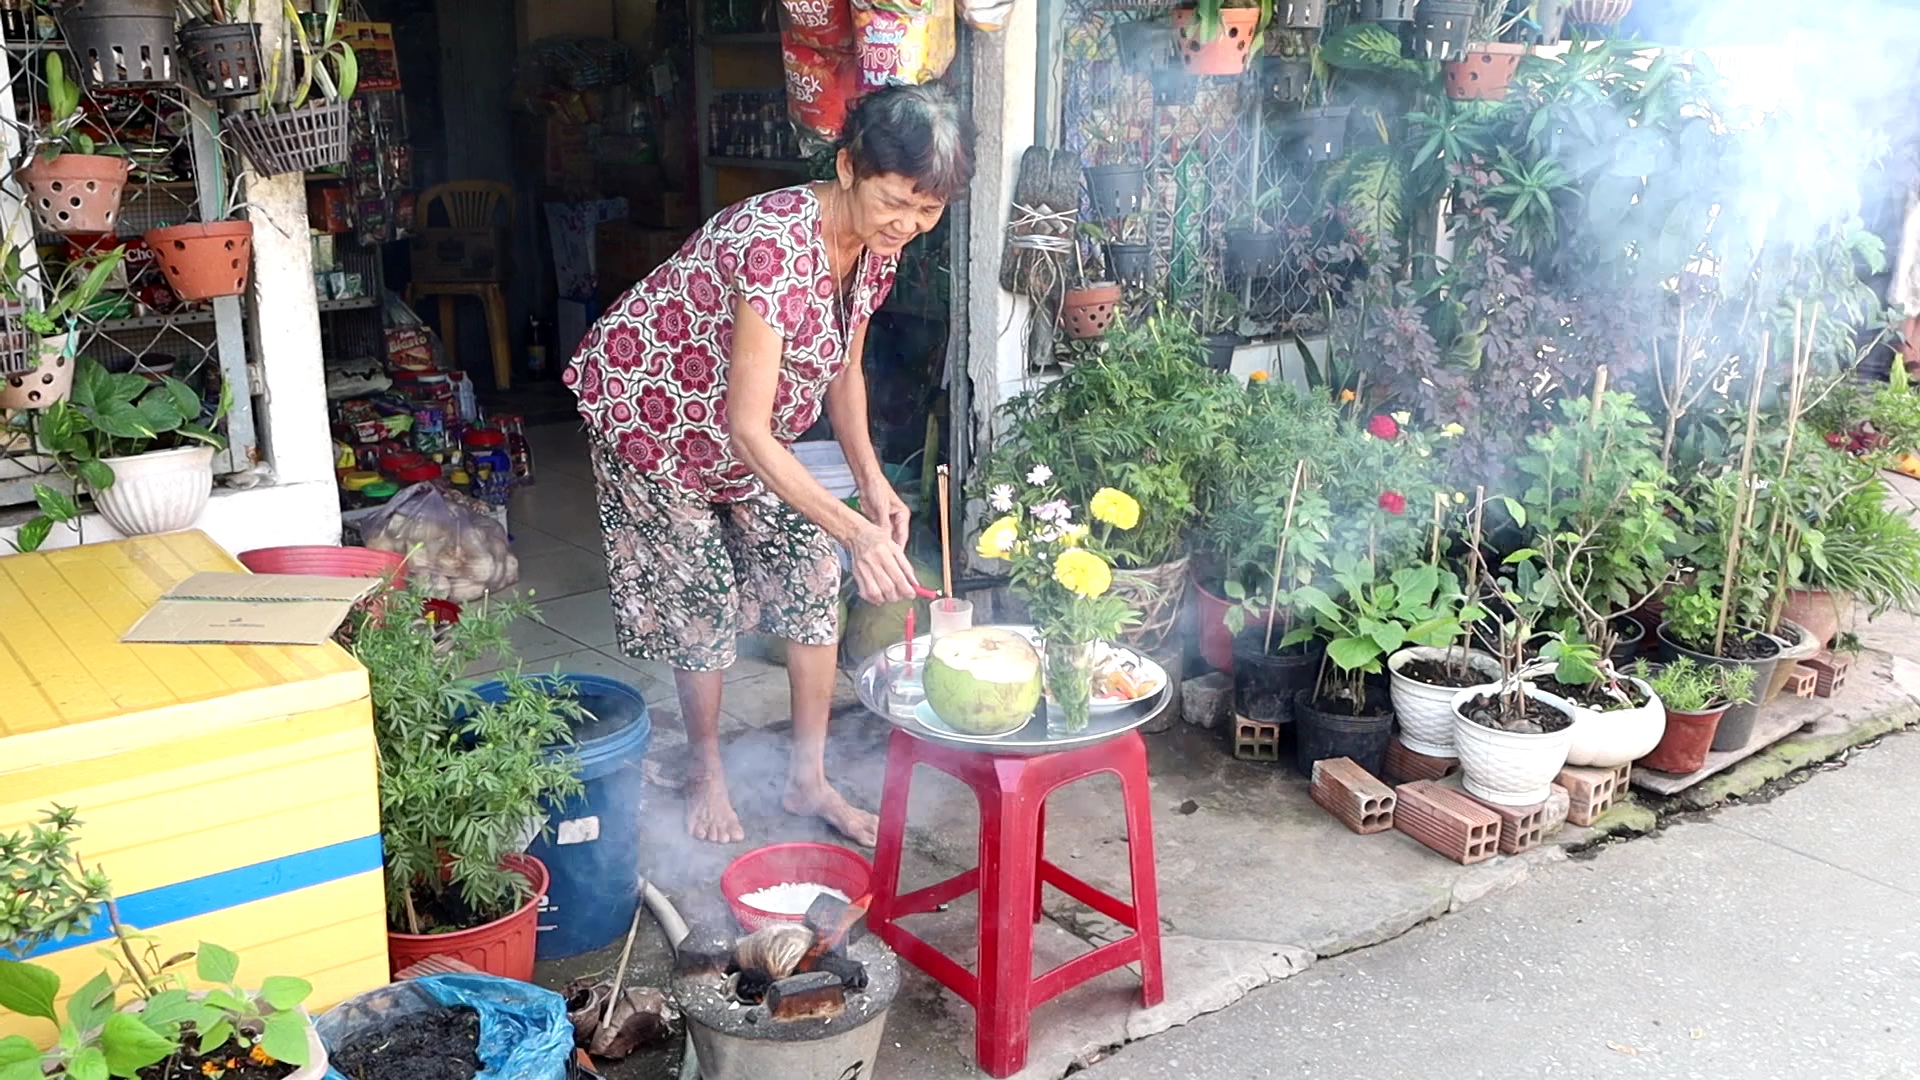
<point x="901" y="41"/>
<point x="820" y="85"/>
<point x="821" y="25"/>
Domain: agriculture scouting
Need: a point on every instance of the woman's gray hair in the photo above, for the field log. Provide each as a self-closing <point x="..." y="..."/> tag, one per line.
<point x="918" y="132"/>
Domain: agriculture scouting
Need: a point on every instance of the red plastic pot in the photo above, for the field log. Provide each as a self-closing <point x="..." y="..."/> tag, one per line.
<point x="1210" y="624"/>
<point x="204" y="260"/>
<point x="503" y="947"/>
<point x="319" y="560"/>
<point x="776" y="864"/>
<point x="1683" y="749"/>
<point x="1226" y="54"/>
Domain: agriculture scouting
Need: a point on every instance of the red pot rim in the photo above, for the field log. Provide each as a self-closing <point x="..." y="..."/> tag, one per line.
<point x="527" y="867"/>
<point x="1101" y="293"/>
<point x="94" y="165"/>
<point x="198" y="230"/>
<point x="1701" y="715"/>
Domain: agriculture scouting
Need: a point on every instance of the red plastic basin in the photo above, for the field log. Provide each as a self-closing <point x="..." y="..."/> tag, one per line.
<point x="818" y="864"/>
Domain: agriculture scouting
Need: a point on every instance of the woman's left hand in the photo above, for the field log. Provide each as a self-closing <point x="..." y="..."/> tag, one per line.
<point x="884" y="507"/>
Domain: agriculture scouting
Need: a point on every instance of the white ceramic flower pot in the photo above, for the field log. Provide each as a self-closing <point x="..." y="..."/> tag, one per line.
<point x="1605" y="740"/>
<point x="1425" y="710"/>
<point x="164" y="491"/>
<point x="1508" y="767"/>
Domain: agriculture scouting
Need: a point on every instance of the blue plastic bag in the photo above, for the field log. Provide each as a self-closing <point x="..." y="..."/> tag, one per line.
<point x="524" y="1030"/>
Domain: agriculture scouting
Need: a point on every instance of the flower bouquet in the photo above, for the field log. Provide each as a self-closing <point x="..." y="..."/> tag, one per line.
<point x="1062" y="569"/>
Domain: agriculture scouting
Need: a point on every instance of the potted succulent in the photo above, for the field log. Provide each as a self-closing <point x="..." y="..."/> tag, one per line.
<point x="222" y="53"/>
<point x="290" y="131"/>
<point x="142" y="448"/>
<point x="458" y="881"/>
<point x="1695" y="697"/>
<point x="36" y="338"/>
<point x="73" y="184"/>
<point x="1215" y="37"/>
<point x="1483" y="70"/>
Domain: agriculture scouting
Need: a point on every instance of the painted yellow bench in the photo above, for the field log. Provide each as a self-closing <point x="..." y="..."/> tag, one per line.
<point x="229" y="791"/>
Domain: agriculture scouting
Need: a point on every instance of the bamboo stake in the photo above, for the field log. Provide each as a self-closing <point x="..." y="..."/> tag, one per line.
<point x="1744" y="515"/>
<point x="946" y="539"/>
<point x="1593" y="421"/>
<point x="1280" y="551"/>
<point x="1439" y="514"/>
<point x="620" y="976"/>
<point x="1473" y="569"/>
<point x="1677" y="403"/>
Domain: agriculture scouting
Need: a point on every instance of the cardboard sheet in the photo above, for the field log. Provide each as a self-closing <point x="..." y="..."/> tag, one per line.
<point x="250" y="609"/>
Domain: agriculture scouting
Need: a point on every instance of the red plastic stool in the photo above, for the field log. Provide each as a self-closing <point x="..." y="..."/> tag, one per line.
<point x="1013" y="814"/>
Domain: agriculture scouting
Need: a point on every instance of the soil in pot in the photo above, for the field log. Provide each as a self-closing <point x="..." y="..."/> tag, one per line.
<point x="440" y="1044"/>
<point x="229" y="1062"/>
<point x="448" y="913"/>
<point x="1336" y="729"/>
<point x="1536" y="717"/>
<point x="1438" y="673"/>
<point x="1593" y="697"/>
<point x="1264" y="683"/>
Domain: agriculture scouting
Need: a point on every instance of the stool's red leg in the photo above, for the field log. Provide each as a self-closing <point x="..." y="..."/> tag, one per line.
<point x="1039" y="856"/>
<point x="893" y="829"/>
<point x="1146" y="892"/>
<point x="1002" y="1014"/>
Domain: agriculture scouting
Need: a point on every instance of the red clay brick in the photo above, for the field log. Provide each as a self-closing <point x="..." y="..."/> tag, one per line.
<point x="1591" y="791"/>
<point x="1830" y="669"/>
<point x="1405" y="765"/>
<point x="1803" y="682"/>
<point x="1521" y="827"/>
<point x="1447" y="821"/>
<point x="1352" y="794"/>
<point x="1255" y="740"/>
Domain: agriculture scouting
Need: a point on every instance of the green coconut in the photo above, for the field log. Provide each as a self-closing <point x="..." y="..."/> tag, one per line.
<point x="983" y="681"/>
<point x="867" y="628"/>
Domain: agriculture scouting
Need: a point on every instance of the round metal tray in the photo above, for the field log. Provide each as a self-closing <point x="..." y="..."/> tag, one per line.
<point x="1030" y="740"/>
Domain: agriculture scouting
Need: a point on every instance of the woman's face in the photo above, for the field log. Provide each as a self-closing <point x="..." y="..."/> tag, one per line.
<point x="885" y="211"/>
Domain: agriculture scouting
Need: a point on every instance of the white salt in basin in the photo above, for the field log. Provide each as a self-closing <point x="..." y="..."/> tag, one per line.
<point x="790" y="897"/>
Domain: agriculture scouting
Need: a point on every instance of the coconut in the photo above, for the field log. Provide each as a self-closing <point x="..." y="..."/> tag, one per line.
<point x="983" y="681"/>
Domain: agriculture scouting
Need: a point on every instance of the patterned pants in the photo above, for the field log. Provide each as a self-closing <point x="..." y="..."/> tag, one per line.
<point x="688" y="576"/>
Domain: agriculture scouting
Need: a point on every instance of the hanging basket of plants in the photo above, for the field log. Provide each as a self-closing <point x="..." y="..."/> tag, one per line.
<point x="121" y="42"/>
<point x="1251" y="253"/>
<point x="47" y="378"/>
<point x="1117" y="190"/>
<point x="223" y="57"/>
<point x="1144" y="44"/>
<point x="1483" y="72"/>
<point x="1223" y="54"/>
<point x="1130" y="264"/>
<point x="1442" y="28"/>
<point x="1322" y="131"/>
<point x="1597" y="12"/>
<point x="296" y="140"/>
<point x="1286" y="78"/>
<point x="1088" y="312"/>
<point x="76" y="193"/>
<point x="1387" y="10"/>
<point x="203" y="261"/>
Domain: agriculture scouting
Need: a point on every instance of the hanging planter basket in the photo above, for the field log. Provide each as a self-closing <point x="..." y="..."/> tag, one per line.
<point x="1322" y="131"/>
<point x="119" y="43"/>
<point x="50" y="379"/>
<point x="1226" y="53"/>
<point x="1388" y="10"/>
<point x="1442" y="28"/>
<point x="202" y="261"/>
<point x="1251" y="253"/>
<point x="1144" y="44"/>
<point x="1484" y="72"/>
<point x="19" y="346"/>
<point x="1286" y="78"/>
<point x="223" y="57"/>
<point x="1552" y="21"/>
<point x="1216" y="350"/>
<point x="1130" y="264"/>
<point x="76" y="193"/>
<point x="1598" y="12"/>
<point x="1088" y="312"/>
<point x="310" y="137"/>
<point x="1300" y="14"/>
<point x="1117" y="190"/>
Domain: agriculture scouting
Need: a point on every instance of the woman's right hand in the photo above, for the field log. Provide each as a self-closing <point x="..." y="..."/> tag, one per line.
<point x="880" y="566"/>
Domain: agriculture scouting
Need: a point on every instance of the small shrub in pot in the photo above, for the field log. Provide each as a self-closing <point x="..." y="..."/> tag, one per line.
<point x="1695" y="697"/>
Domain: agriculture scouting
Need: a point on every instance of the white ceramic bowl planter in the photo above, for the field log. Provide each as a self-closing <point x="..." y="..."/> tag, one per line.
<point x="163" y="491"/>
<point x="1508" y="767"/>
<point x="1605" y="740"/>
<point x="1426" y="710"/>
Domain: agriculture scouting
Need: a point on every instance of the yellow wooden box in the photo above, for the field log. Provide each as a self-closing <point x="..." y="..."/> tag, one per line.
<point x="229" y="791"/>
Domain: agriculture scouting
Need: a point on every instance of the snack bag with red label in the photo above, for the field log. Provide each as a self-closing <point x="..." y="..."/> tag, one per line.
<point x="902" y="42"/>
<point x="820" y="85"/>
<point x="821" y="25"/>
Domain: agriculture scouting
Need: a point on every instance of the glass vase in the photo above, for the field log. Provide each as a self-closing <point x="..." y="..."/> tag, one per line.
<point x="1069" y="667"/>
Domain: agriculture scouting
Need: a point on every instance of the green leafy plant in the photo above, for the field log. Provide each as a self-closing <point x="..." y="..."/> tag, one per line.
<point x="1689" y="687"/>
<point x="1372" y="619"/>
<point x="1207" y="22"/>
<point x="459" y="777"/>
<point x="325" y="59"/>
<point x="269" y="1019"/>
<point x="1693" y="616"/>
<point x="63" y="134"/>
<point x="45" y="894"/>
<point x="47" y="305"/>
<point x="96" y="1040"/>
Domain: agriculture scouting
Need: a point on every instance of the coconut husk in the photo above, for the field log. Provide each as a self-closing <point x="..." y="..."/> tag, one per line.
<point x="1046" y="202"/>
<point x="641" y="1017"/>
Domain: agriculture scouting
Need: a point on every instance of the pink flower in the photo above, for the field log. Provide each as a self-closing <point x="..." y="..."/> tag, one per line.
<point x="1382" y="426"/>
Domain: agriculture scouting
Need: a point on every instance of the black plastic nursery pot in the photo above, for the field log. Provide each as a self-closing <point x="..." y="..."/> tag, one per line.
<point x="1286" y="78"/>
<point x="1300" y="14"/>
<point x="1629" y="636"/>
<point x="1117" y="190"/>
<point x="1736" y="727"/>
<point x="1322" y="131"/>
<point x="1145" y="44"/>
<point x="1442" y="28"/>
<point x="1131" y="264"/>
<point x="1216" y="350"/>
<point x="1319" y="734"/>
<point x="1389" y="10"/>
<point x="223" y="57"/>
<point x="1251" y="253"/>
<point x="119" y="43"/>
<point x="1264" y="684"/>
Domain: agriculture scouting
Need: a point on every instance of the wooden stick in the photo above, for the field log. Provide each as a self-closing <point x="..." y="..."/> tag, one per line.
<point x="946" y="539"/>
<point x="1280" y="551"/>
<point x="1439" y="515"/>
<point x="1593" y="421"/>
<point x="620" y="976"/>
<point x="1745" y="513"/>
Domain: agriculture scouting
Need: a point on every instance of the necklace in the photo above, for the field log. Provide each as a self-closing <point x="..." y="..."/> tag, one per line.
<point x="842" y="283"/>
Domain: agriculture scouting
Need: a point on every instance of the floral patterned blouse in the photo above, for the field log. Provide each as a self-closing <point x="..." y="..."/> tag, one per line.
<point x="651" y="375"/>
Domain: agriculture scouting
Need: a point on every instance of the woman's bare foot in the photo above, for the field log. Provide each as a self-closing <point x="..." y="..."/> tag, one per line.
<point x="825" y="803"/>
<point x="710" y="815"/>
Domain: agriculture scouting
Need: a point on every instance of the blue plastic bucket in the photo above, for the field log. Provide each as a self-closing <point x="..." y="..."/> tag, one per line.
<point x="592" y="843"/>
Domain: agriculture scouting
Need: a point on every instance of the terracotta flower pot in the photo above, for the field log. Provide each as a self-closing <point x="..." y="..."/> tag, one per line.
<point x="202" y="261"/>
<point x="1484" y="72"/>
<point x="1688" y="739"/>
<point x="503" y="947"/>
<point x="1210" y="626"/>
<point x="1088" y="312"/>
<point x="76" y="193"/>
<point x="48" y="381"/>
<point x="1226" y="53"/>
<point x="1820" y="612"/>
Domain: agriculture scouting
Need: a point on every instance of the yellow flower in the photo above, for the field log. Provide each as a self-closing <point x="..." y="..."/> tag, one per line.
<point x="1453" y="431"/>
<point x="997" y="539"/>
<point x="1083" y="573"/>
<point x="1116" y="508"/>
<point x="1459" y="497"/>
<point x="1403" y="418"/>
<point x="1075" y="534"/>
<point x="1259" y="376"/>
<point x="1347" y="396"/>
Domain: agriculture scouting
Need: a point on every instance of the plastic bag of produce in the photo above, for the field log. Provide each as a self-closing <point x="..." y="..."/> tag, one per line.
<point x="822" y="25"/>
<point x="454" y="548"/>
<point x="524" y="1030"/>
<point x="902" y="41"/>
<point x="819" y="87"/>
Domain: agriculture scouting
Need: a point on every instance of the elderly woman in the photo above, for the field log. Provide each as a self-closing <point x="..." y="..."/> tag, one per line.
<point x="695" y="383"/>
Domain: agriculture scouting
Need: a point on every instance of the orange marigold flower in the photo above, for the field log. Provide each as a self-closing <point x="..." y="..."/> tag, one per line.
<point x="1259" y="376"/>
<point x="260" y="1056"/>
<point x="1347" y="396"/>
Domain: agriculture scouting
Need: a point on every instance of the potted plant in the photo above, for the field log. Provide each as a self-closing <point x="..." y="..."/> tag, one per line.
<point x="1695" y="629"/>
<point x="143" y="449"/>
<point x="1395" y="11"/>
<point x="1287" y="68"/>
<point x="1483" y="70"/>
<point x="1116" y="181"/>
<point x="35" y="331"/>
<point x="1695" y="697"/>
<point x="1320" y="131"/>
<point x="125" y="42"/>
<point x="204" y="260"/>
<point x="458" y="881"/>
<point x="1251" y="248"/>
<point x="1425" y="677"/>
<point x="1088" y="309"/>
<point x="1144" y="45"/>
<point x="1442" y="28"/>
<point x="1513" y="740"/>
<point x="290" y="132"/>
<point x="73" y="184"/>
<point x="1219" y="324"/>
<point x="1215" y="37"/>
<point x="1061" y="568"/>
<point x="222" y="53"/>
<point x="1129" y="256"/>
<point x="1617" y="718"/>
